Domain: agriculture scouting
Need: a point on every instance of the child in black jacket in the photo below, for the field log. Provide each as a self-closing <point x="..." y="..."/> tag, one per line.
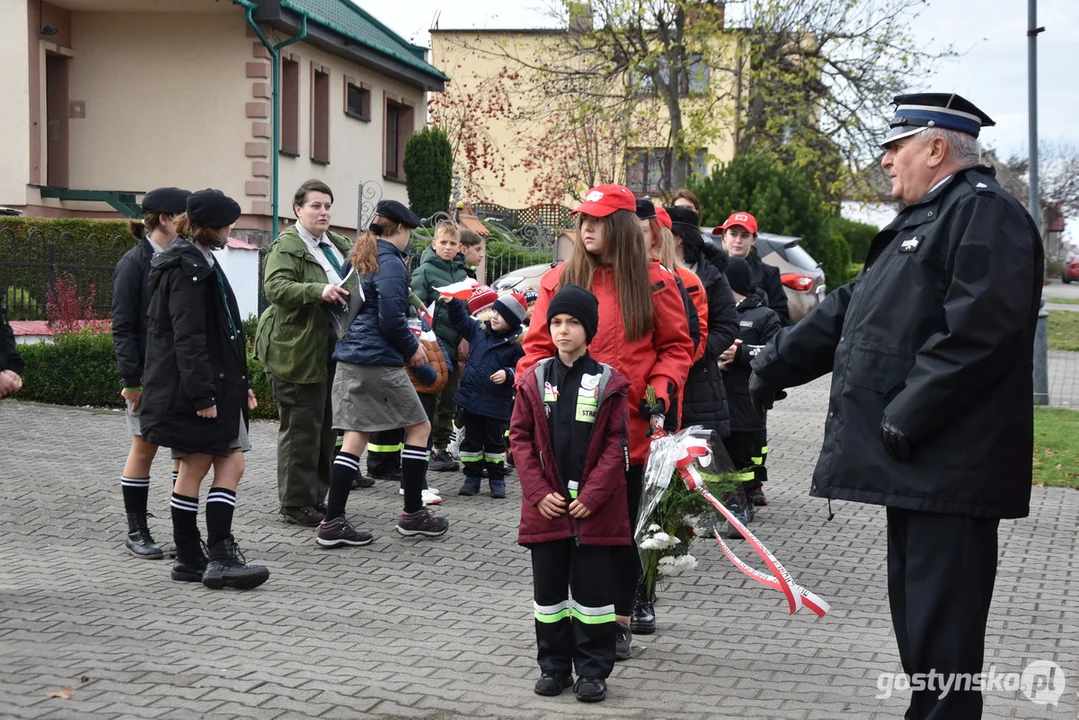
<point x="748" y="441"/>
<point x="485" y="394"/>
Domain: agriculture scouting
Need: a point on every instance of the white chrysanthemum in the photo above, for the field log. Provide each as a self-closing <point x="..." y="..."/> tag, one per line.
<point x="654" y="528"/>
<point x="686" y="562"/>
<point x="669" y="567"/>
<point x="650" y="544"/>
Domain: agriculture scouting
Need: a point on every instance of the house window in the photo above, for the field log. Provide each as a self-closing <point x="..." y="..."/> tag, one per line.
<point x="398" y="129"/>
<point x="320" y="114"/>
<point x="648" y="170"/>
<point x="692" y="81"/>
<point x="290" y="105"/>
<point x="357" y="99"/>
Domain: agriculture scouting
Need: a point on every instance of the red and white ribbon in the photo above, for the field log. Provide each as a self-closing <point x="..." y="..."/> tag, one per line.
<point x="694" y="450"/>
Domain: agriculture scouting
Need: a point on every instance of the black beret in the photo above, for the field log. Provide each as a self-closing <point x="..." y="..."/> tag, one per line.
<point x="212" y="208"/>
<point x="645" y="209"/>
<point x="169" y="200"/>
<point x="685" y="223"/>
<point x="398" y="212"/>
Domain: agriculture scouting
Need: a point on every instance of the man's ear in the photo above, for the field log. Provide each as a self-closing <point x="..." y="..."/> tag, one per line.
<point x="938" y="152"/>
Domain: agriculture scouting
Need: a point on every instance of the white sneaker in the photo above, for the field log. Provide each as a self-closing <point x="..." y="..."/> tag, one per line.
<point x="430" y="496"/>
<point x="433" y="491"/>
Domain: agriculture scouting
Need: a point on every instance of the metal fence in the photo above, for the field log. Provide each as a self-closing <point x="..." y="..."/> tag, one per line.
<point x="30" y="264"/>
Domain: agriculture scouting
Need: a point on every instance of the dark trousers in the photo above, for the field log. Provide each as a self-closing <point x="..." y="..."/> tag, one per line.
<point x="749" y="452"/>
<point x="578" y="632"/>
<point x="484" y="446"/>
<point x="384" y="447"/>
<point x="442" y="424"/>
<point x="941" y="570"/>
<point x="628" y="556"/>
<point x="306" y="440"/>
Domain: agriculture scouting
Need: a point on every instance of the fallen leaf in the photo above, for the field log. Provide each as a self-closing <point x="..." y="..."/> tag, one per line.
<point x="63" y="693"/>
<point x="1059" y="467"/>
<point x="1041" y="484"/>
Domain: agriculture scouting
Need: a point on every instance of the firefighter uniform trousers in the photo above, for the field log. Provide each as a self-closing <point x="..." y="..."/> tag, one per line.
<point x="580" y="632"/>
<point x="484" y="445"/>
<point x="748" y="452"/>
<point x="384" y="447"/>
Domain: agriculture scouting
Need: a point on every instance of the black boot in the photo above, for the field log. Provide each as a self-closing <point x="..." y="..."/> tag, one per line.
<point x="228" y="568"/>
<point x="643" y="619"/>
<point x="190" y="561"/>
<point x="139" y="541"/>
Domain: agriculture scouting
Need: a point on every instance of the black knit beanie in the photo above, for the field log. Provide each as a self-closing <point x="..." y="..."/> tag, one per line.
<point x="575" y="301"/>
<point x="738" y="275"/>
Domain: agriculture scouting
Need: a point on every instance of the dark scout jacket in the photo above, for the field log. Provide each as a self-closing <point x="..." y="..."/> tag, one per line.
<point x="937" y="334"/>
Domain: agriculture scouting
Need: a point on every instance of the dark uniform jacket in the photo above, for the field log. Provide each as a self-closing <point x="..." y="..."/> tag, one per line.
<point x="705" y="402"/>
<point x="9" y="354"/>
<point x="766" y="277"/>
<point x="488" y="352"/>
<point x="757" y="324"/>
<point x="937" y="334"/>
<point x="195" y="355"/>
<point x="130" y="303"/>
<point x="380" y="334"/>
<point x="540" y="455"/>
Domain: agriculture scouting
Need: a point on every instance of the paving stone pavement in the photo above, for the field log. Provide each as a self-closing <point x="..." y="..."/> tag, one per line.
<point x="443" y="628"/>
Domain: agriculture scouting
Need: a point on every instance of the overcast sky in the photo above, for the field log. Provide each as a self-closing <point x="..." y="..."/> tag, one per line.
<point x="991" y="34"/>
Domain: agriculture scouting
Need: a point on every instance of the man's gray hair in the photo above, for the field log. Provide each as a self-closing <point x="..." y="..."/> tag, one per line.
<point x="963" y="149"/>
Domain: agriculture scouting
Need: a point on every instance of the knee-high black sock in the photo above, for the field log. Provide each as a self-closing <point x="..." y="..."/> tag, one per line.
<point x="220" y="505"/>
<point x="185" y="515"/>
<point x="413" y="475"/>
<point x="136" y="492"/>
<point x="344" y="470"/>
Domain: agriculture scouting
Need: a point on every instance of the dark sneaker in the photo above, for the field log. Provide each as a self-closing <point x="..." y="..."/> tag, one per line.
<point x="759" y="498"/>
<point x="229" y="568"/>
<point x="422" y="522"/>
<point x="392" y="476"/>
<point x="139" y="541"/>
<point x="442" y="461"/>
<point x="340" y="533"/>
<point x="471" y="486"/>
<point x="498" y="489"/>
<point x="551" y="684"/>
<point x="308" y="516"/>
<point x="623" y="643"/>
<point x="590" y="689"/>
<point x="190" y="561"/>
<point x="362" y="482"/>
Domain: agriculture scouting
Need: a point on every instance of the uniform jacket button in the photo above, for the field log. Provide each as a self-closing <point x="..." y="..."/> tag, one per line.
<point x="221" y="375"/>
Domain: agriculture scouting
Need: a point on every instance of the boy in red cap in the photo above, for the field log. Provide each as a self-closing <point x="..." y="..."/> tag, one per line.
<point x="485" y="394"/>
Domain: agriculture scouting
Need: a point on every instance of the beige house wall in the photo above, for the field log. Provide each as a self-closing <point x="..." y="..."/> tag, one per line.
<point x="15" y="91"/>
<point x="471" y="57"/>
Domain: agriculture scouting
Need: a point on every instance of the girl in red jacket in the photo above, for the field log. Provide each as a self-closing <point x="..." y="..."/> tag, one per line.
<point x="570" y="425"/>
<point x="642" y="332"/>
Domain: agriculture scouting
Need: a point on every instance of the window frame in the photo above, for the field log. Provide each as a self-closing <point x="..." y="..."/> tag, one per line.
<point x="320" y="114"/>
<point x="400" y="119"/>
<point x="288" y="141"/>
<point x="364" y="115"/>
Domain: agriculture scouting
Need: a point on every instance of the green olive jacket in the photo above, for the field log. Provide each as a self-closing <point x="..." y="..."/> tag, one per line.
<point x="295" y="339"/>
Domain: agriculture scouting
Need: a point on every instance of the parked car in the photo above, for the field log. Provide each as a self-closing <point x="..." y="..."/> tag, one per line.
<point x="1071" y="270"/>
<point x="521" y="278"/>
<point x="801" y="275"/>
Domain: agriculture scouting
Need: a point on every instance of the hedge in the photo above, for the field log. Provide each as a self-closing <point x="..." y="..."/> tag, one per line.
<point x="858" y="236"/>
<point x="80" y="369"/>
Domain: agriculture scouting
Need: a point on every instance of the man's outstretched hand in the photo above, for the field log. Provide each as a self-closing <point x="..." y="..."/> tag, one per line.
<point x="762" y="395"/>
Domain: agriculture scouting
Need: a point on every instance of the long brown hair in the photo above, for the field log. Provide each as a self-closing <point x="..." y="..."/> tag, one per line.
<point x="198" y="234"/>
<point x="150" y="222"/>
<point x="628" y="258"/>
<point x="668" y="256"/>
<point x="364" y="255"/>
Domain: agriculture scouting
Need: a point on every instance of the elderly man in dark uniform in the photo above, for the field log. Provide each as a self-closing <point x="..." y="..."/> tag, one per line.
<point x="931" y="410"/>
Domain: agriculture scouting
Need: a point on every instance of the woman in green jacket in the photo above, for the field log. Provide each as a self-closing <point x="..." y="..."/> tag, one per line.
<point x="295" y="343"/>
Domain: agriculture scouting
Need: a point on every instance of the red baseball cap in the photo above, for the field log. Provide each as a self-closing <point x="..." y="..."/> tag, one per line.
<point x="603" y="200"/>
<point x="739" y="218"/>
<point x="664" y="217"/>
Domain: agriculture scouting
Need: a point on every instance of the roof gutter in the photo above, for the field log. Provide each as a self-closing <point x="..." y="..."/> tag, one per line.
<point x="275" y="102"/>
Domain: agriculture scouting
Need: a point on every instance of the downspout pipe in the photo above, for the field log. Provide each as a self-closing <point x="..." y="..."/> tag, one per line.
<point x="275" y="102"/>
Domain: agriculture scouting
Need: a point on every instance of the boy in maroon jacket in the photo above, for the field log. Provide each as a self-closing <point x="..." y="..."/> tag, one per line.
<point x="570" y="434"/>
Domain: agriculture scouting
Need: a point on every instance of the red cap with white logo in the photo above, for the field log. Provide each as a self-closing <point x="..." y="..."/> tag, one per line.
<point x="664" y="217"/>
<point x="603" y="200"/>
<point x="739" y="218"/>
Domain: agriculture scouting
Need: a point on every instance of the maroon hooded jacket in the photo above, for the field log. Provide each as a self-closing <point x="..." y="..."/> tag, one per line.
<point x="603" y="483"/>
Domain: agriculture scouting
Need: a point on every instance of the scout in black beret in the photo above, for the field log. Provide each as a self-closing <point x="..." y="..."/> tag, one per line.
<point x="168" y="200"/>
<point x="920" y="111"/>
<point x="645" y="209"/>
<point x="398" y="212"/>
<point x="212" y="208"/>
<point x="685" y="224"/>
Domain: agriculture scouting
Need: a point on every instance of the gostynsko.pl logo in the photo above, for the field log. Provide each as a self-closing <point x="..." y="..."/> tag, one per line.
<point x="1042" y="682"/>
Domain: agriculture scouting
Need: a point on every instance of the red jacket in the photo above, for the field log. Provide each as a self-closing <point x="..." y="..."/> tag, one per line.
<point x="695" y="290"/>
<point x="660" y="359"/>
<point x="603" y="484"/>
